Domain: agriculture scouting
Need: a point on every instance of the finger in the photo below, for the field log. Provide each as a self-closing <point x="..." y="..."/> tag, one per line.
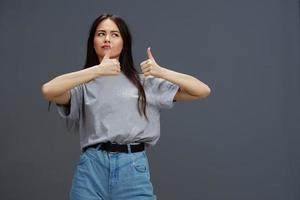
<point x="144" y="66"/>
<point x="107" y="54"/>
<point x="150" y="56"/>
<point x="118" y="67"/>
<point x="116" y="62"/>
<point x="145" y="62"/>
<point x="147" y="74"/>
<point x="142" y="63"/>
<point x="146" y="69"/>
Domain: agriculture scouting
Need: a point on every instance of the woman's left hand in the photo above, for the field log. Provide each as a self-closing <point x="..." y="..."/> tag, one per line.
<point x="150" y="67"/>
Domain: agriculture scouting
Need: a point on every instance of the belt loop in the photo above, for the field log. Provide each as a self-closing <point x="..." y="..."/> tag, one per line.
<point x="98" y="146"/>
<point x="128" y="147"/>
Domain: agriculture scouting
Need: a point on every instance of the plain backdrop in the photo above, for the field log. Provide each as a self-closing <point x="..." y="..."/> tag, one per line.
<point x="240" y="143"/>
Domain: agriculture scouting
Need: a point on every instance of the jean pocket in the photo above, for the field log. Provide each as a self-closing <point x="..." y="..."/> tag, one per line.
<point x="140" y="162"/>
<point x="82" y="159"/>
<point x="91" y="153"/>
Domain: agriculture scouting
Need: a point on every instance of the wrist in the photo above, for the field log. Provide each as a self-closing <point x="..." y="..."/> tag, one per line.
<point x="97" y="69"/>
<point x="163" y="72"/>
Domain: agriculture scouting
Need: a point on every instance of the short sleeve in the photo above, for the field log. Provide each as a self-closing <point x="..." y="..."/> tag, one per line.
<point x="162" y="91"/>
<point x="72" y="110"/>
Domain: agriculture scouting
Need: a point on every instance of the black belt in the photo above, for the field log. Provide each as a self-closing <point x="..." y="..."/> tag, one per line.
<point x="108" y="146"/>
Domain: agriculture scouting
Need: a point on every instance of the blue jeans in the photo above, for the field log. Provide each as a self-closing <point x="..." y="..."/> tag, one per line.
<point x="102" y="175"/>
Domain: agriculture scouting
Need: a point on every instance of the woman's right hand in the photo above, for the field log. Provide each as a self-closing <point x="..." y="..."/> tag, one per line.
<point x="109" y="66"/>
<point x="58" y="89"/>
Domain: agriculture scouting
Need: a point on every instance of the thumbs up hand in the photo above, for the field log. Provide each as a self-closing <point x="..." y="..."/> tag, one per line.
<point x="149" y="66"/>
<point x="109" y="66"/>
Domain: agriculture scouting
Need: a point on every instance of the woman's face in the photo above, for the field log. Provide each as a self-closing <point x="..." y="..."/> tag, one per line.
<point x="108" y="38"/>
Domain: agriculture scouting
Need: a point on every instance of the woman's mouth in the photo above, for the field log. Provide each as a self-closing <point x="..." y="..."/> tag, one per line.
<point x="106" y="47"/>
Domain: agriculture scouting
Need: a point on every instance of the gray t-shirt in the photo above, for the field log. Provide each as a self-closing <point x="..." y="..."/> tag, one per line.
<point x="105" y="109"/>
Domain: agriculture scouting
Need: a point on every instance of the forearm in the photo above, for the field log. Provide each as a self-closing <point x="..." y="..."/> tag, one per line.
<point x="65" y="82"/>
<point x="188" y="83"/>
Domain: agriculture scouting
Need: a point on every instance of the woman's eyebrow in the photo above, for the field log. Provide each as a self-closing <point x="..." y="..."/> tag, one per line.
<point x="105" y="31"/>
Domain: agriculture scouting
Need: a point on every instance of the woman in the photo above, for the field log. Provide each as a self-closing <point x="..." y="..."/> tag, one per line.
<point x="116" y="112"/>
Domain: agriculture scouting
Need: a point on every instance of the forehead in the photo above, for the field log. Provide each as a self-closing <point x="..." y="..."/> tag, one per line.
<point x="107" y="25"/>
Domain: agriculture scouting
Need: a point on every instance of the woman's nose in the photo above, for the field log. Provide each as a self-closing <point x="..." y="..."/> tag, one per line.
<point x="107" y="38"/>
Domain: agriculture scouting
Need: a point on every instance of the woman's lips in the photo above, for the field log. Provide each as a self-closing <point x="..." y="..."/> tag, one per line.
<point x="106" y="46"/>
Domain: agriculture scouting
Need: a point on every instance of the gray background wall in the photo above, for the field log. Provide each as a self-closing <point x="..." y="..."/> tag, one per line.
<point x="242" y="142"/>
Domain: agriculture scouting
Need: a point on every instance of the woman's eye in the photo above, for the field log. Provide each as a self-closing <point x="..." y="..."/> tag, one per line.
<point x="114" y="34"/>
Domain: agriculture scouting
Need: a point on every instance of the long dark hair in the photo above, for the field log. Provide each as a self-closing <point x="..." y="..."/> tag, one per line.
<point x="125" y="59"/>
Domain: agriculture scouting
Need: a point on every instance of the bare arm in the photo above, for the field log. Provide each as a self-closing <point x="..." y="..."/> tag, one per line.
<point x="58" y="89"/>
<point x="191" y="88"/>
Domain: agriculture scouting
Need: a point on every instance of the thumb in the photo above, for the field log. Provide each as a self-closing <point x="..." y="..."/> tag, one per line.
<point x="150" y="56"/>
<point x="107" y="55"/>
